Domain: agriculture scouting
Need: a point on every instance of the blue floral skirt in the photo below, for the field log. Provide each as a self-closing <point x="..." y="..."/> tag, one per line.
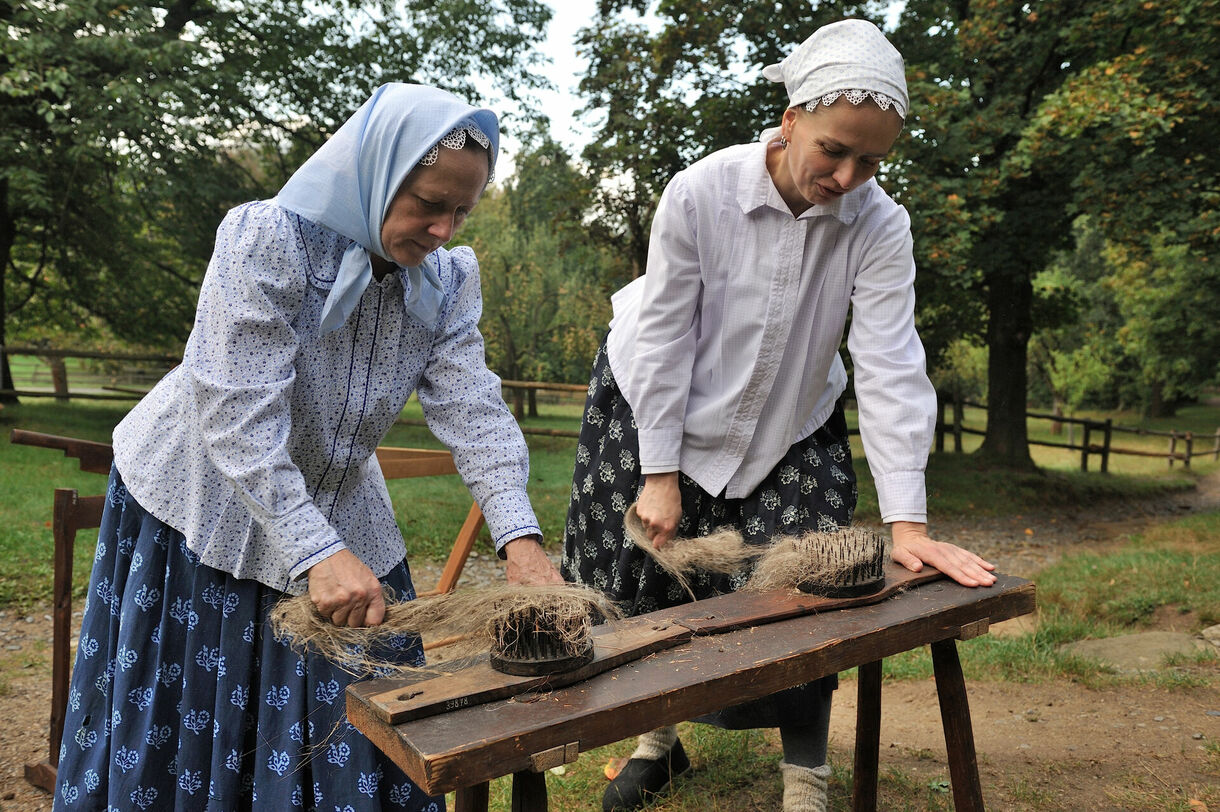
<point x="812" y="488"/>
<point x="181" y="697"/>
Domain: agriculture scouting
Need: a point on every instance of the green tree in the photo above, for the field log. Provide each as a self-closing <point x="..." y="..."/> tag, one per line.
<point x="1032" y="113"/>
<point x="542" y="318"/>
<point x="1169" y="298"/>
<point x="126" y="130"/>
<point x="545" y="283"/>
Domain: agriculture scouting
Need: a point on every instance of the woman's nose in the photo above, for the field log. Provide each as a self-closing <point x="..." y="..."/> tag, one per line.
<point x="443" y="227"/>
<point x="845" y="174"/>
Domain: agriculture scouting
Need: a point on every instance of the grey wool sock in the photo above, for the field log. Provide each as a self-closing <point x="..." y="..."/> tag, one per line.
<point x="804" y="787"/>
<point x="655" y="744"/>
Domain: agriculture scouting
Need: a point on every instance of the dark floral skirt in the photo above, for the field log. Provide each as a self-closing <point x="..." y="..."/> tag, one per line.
<point x="812" y="488"/>
<point x="181" y="697"/>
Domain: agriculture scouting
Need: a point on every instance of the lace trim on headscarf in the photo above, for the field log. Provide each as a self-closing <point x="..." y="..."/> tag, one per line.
<point x="456" y="139"/>
<point x="856" y="97"/>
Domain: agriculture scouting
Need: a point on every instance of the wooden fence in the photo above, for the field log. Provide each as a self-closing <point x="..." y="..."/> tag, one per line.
<point x="138" y="372"/>
<point x="1182" y="445"/>
<point x="135" y="374"/>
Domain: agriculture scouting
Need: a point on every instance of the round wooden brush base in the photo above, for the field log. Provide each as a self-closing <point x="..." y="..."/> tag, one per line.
<point x="540" y="666"/>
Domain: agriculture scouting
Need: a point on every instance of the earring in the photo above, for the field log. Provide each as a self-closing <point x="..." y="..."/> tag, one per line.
<point x="783" y="142"/>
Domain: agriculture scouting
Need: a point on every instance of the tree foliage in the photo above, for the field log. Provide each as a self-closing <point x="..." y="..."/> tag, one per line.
<point x="545" y="291"/>
<point x="1030" y="114"/>
<point x="1024" y="115"/>
<point x="126" y="130"/>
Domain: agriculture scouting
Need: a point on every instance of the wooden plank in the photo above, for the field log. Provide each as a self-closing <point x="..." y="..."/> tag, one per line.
<point x="398" y="700"/>
<point x="402" y="699"/>
<point x="400" y="463"/>
<point x="95" y="458"/>
<point x="477" y="743"/>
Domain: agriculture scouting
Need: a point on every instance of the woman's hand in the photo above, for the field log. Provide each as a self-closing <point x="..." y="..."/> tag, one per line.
<point x="345" y="590"/>
<point x="660" y="507"/>
<point x="528" y="564"/>
<point x="913" y="548"/>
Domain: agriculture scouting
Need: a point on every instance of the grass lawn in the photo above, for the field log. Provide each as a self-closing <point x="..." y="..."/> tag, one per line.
<point x="1175" y="565"/>
<point x="430" y="511"/>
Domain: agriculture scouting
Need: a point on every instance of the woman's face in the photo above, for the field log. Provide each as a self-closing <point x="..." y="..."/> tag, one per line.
<point x="432" y="203"/>
<point x="832" y="150"/>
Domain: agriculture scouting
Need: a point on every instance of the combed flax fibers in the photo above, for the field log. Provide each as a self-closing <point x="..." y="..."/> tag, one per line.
<point x="810" y="558"/>
<point x="470" y="620"/>
<point x="723" y="552"/>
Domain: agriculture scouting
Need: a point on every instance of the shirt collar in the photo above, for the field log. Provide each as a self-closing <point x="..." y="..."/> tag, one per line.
<point x="756" y="190"/>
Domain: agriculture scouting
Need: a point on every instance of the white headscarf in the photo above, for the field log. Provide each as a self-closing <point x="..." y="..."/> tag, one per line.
<point x="348" y="184"/>
<point x="850" y="57"/>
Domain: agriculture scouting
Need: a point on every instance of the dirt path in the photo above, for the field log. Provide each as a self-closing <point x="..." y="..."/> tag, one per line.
<point x="1041" y="747"/>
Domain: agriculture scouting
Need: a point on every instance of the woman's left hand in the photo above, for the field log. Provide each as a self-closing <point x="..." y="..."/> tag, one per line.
<point x="528" y="564"/>
<point x="913" y="548"/>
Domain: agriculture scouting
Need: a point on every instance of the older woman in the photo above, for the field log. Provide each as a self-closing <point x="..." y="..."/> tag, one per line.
<point x="716" y="398"/>
<point x="248" y="473"/>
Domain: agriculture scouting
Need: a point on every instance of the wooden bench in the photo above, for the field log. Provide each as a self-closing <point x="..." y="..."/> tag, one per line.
<point x="462" y="749"/>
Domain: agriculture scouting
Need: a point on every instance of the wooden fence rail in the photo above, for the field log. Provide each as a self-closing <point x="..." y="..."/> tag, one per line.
<point x="519" y="391"/>
<point x="1087" y="447"/>
<point x="1182" y="445"/>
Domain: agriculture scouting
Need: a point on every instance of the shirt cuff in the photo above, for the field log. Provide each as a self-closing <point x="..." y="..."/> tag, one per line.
<point x="660" y="450"/>
<point x="509" y="516"/>
<point x="305" y="537"/>
<point x="901" y="496"/>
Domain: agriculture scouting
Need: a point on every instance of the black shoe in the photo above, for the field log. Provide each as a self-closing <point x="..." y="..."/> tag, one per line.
<point x="642" y="781"/>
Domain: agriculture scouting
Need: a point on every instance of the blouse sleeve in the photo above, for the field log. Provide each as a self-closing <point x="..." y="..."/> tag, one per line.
<point x="664" y="349"/>
<point x="239" y="362"/>
<point x="464" y="408"/>
<point x="896" y="401"/>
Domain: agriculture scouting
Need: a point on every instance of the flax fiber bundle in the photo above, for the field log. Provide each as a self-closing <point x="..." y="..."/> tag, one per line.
<point x="467" y="622"/>
<point x="833" y="558"/>
<point x="723" y="552"/>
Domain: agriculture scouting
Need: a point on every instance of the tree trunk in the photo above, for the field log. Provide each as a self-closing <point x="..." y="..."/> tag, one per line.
<point x="1157" y="405"/>
<point x="1009" y="299"/>
<point x="1057" y="425"/>
<point x="8" y="232"/>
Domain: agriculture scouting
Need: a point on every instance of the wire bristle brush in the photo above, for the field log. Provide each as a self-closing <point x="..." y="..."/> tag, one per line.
<point x="845" y="563"/>
<point x="533" y="641"/>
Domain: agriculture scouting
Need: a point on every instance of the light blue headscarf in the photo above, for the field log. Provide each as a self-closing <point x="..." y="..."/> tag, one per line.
<point x="348" y="184"/>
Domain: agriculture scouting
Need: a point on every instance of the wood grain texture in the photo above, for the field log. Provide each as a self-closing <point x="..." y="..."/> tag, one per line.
<point x="707" y="672"/>
<point x="401" y="699"/>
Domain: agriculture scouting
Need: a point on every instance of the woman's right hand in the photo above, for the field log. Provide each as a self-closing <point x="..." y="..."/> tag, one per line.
<point x="660" y="507"/>
<point x="345" y="591"/>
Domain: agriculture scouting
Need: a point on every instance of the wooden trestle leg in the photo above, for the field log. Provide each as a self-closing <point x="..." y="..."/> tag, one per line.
<point x="472" y="799"/>
<point x="959" y="735"/>
<point x="868" y="737"/>
<point x="529" y="791"/>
